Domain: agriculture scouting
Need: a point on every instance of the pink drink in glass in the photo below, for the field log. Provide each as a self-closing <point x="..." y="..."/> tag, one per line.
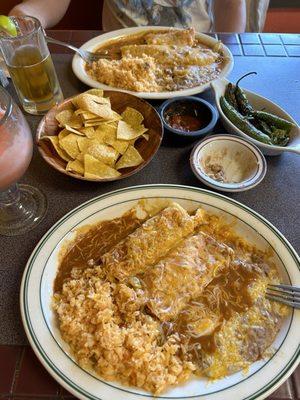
<point x="22" y="207"/>
<point x="15" y="152"/>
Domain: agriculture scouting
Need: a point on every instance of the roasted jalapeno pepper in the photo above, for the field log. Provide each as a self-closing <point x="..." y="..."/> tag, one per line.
<point x="242" y="123"/>
<point x="244" y="106"/>
<point x="262" y="126"/>
<point x="230" y="95"/>
<point x="271" y="119"/>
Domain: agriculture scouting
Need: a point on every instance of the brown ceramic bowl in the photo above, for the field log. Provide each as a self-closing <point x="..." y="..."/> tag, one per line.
<point x="119" y="101"/>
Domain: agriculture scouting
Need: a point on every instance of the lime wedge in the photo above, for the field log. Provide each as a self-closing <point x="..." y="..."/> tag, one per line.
<point x="8" y="25"/>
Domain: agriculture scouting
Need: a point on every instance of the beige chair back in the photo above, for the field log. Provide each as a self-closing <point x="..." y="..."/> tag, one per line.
<point x="256" y="14"/>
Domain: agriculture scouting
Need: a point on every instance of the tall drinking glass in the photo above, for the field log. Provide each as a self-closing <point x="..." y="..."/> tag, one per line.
<point x="21" y="206"/>
<point x="30" y="66"/>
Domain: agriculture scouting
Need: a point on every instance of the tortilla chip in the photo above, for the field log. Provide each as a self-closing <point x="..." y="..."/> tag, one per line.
<point x="75" y="166"/>
<point x="99" y="121"/>
<point x="76" y="98"/>
<point x="107" y="130"/>
<point x="94" y="168"/>
<point x="83" y="143"/>
<point x="99" y="137"/>
<point x="88" y="132"/>
<point x="70" y="129"/>
<point x="132" y="116"/>
<point x="98" y="99"/>
<point x="79" y="111"/>
<point x="106" y="133"/>
<point x="104" y="153"/>
<point x="93" y="119"/>
<point x="95" y="122"/>
<point x="98" y="93"/>
<point x="55" y="143"/>
<point x="74" y="122"/>
<point x="95" y="92"/>
<point x="143" y="136"/>
<point x="94" y="105"/>
<point x="90" y="117"/>
<point x="63" y="134"/>
<point x="112" y="123"/>
<point x="116" y="116"/>
<point x="128" y="132"/>
<point x="85" y="115"/>
<point x="87" y="175"/>
<point x="119" y="145"/>
<point x="74" y="101"/>
<point x="131" y="158"/>
<point x="64" y="117"/>
<point x="69" y="145"/>
<point x="80" y="157"/>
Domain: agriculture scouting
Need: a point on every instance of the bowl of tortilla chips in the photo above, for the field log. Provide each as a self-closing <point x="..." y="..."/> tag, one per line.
<point x="100" y="135"/>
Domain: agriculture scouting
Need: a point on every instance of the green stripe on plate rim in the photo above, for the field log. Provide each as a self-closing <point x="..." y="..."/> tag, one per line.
<point x="31" y="334"/>
<point x="130" y="391"/>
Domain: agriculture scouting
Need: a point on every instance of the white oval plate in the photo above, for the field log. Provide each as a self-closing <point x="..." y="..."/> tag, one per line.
<point x="40" y="325"/>
<point x="79" y="70"/>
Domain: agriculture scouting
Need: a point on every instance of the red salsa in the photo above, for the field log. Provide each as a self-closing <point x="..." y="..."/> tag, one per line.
<point x="187" y="115"/>
<point x="184" y="122"/>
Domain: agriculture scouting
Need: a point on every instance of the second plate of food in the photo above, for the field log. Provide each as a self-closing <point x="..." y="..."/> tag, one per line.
<point x="155" y="62"/>
<point x="159" y="291"/>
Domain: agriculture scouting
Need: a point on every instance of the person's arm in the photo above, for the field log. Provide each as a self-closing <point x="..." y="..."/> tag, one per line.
<point x="48" y="12"/>
<point x="229" y="15"/>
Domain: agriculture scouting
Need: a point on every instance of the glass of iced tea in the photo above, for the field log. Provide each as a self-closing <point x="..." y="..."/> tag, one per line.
<point x="30" y="66"/>
<point x="22" y="207"/>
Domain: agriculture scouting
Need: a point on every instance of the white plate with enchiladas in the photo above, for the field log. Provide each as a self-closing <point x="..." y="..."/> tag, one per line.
<point x="154" y="62"/>
<point x="158" y="291"/>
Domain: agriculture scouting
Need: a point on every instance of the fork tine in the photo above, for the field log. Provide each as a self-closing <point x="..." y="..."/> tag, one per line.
<point x="285" y="296"/>
<point x="97" y="57"/>
<point x="90" y="57"/>
<point x="283" y="292"/>
<point x="288" y="303"/>
<point x="286" y="287"/>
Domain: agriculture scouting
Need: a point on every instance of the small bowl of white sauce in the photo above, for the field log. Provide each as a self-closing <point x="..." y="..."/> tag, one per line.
<point x="228" y="163"/>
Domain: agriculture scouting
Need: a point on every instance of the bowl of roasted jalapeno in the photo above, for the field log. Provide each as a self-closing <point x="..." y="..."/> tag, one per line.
<point x="256" y="118"/>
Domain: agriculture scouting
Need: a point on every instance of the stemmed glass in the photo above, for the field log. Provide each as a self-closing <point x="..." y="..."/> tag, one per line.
<point x="22" y="207"/>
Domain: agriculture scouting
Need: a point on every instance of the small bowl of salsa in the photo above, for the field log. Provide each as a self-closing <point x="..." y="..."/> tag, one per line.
<point x="190" y="117"/>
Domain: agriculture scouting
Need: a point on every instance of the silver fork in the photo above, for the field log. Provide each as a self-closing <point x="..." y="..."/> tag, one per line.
<point x="286" y="294"/>
<point x="87" y="56"/>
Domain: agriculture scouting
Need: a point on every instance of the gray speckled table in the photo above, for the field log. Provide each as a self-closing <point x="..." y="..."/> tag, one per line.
<point x="276" y="198"/>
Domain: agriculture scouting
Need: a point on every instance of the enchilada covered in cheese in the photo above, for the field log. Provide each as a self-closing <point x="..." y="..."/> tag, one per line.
<point x="183" y="274"/>
<point x="149" y="242"/>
